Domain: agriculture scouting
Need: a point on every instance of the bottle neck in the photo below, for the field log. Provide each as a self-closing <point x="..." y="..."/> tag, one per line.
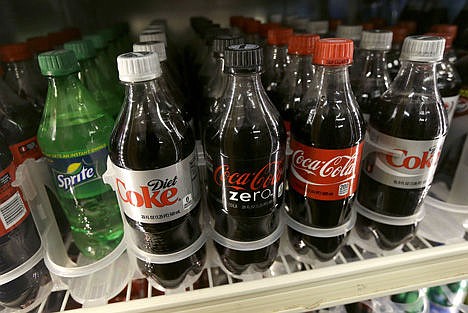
<point x="334" y="82"/>
<point x="244" y="82"/>
<point x="416" y="77"/>
<point x="63" y="85"/>
<point x="375" y="64"/>
<point x="280" y="53"/>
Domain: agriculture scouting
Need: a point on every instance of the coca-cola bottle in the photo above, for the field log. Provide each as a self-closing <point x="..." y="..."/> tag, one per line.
<point x="297" y="77"/>
<point x="406" y="131"/>
<point x="326" y="140"/>
<point x="374" y="79"/>
<point x="215" y="87"/>
<point x="152" y="155"/>
<point x="245" y="151"/>
<point x="167" y="85"/>
<point x="19" y="239"/>
<point x="22" y="74"/>
<point x="393" y="56"/>
<point x="276" y="60"/>
<point x="354" y="33"/>
<point x="448" y="80"/>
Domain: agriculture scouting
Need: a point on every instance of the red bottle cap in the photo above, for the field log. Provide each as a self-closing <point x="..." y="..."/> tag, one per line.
<point x="445" y="28"/>
<point x="252" y="26"/>
<point x="302" y="44"/>
<point x="378" y="23"/>
<point x="399" y="33"/>
<point x="279" y="36"/>
<point x="333" y="51"/>
<point x="411" y="26"/>
<point x="57" y="38"/>
<point x="265" y="27"/>
<point x="367" y="26"/>
<point x="448" y="38"/>
<point x="39" y="44"/>
<point x="71" y="33"/>
<point x="236" y="21"/>
<point x="333" y="23"/>
<point x="15" y="52"/>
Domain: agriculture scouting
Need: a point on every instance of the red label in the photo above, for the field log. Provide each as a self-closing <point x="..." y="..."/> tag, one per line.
<point x="262" y="179"/>
<point x="324" y="174"/>
<point x="27" y="149"/>
<point x="287" y="126"/>
<point x="13" y="209"/>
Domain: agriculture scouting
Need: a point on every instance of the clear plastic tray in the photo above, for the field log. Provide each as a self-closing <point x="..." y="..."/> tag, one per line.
<point x="90" y="282"/>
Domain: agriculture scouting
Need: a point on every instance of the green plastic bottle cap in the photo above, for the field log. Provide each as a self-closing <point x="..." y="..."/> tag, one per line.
<point x="58" y="63"/>
<point x="83" y="49"/>
<point x="138" y="66"/>
<point x="108" y="34"/>
<point x="97" y="41"/>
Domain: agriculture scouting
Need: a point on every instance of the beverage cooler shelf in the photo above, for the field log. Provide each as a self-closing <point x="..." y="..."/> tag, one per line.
<point x="291" y="286"/>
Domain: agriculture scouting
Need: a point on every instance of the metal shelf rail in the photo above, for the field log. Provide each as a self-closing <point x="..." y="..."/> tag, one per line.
<point x="297" y="287"/>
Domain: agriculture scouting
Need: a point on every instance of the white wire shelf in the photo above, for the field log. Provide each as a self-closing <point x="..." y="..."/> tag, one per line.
<point x="294" y="287"/>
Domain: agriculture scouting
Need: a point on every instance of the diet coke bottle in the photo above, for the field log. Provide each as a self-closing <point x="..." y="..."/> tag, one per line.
<point x="405" y="135"/>
<point x="155" y="175"/>
<point x="245" y="150"/>
<point x="326" y="141"/>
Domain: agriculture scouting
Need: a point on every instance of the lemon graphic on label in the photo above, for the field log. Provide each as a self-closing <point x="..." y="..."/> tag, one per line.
<point x="73" y="168"/>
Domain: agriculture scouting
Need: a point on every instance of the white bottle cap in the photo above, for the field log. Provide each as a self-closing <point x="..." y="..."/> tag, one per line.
<point x="155" y="27"/>
<point x="317" y="27"/>
<point x="152" y="46"/>
<point x="153" y="36"/>
<point x="138" y="66"/>
<point x="376" y="40"/>
<point x="423" y="48"/>
<point x="276" y="18"/>
<point x="301" y="23"/>
<point x="352" y="32"/>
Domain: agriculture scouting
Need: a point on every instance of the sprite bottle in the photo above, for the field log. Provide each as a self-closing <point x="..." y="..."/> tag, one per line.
<point x="73" y="135"/>
<point x="100" y="87"/>
<point x="409" y="302"/>
<point x="447" y="298"/>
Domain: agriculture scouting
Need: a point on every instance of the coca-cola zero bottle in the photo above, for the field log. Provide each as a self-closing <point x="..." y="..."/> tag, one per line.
<point x="245" y="151"/>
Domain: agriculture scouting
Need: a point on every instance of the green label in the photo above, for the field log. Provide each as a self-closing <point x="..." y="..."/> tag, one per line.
<point x="79" y="177"/>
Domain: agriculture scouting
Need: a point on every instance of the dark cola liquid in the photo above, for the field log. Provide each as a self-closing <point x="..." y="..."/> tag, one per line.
<point x="249" y="214"/>
<point x="142" y="142"/>
<point x="411" y="123"/>
<point x="17" y="246"/>
<point x="330" y="133"/>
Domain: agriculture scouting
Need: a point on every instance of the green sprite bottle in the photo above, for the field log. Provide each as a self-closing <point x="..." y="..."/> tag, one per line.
<point x="73" y="135"/>
<point x="103" y="61"/>
<point x="94" y="81"/>
<point x="447" y="298"/>
<point x="409" y="302"/>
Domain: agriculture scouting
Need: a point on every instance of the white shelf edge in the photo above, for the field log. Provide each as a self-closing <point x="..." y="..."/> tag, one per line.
<point x="314" y="289"/>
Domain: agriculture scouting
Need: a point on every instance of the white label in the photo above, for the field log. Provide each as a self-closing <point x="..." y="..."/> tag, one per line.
<point x="12" y="210"/>
<point x="160" y="195"/>
<point x="400" y="163"/>
<point x="450" y="104"/>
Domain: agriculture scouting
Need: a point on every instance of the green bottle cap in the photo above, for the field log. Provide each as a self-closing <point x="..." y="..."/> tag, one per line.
<point x="108" y="34"/>
<point x="83" y="49"/>
<point x="58" y="63"/>
<point x="97" y="40"/>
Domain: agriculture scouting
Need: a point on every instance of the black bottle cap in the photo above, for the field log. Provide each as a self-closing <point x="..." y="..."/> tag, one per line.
<point x="243" y="56"/>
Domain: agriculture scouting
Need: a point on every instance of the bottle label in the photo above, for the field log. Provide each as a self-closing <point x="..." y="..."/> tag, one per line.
<point x="401" y="163"/>
<point x="13" y="209"/>
<point x="79" y="176"/>
<point x="450" y="104"/>
<point x="27" y="149"/>
<point x="160" y="195"/>
<point x="324" y="174"/>
<point x="247" y="184"/>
